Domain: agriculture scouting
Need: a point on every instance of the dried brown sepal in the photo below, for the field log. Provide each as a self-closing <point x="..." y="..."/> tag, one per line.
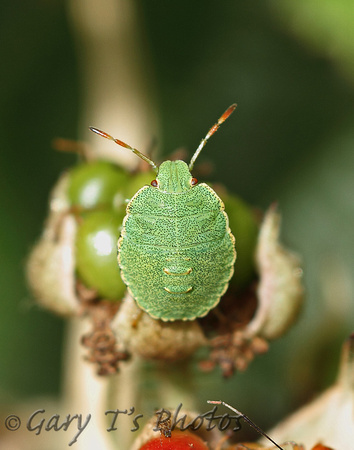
<point x="230" y="347"/>
<point x="165" y="428"/>
<point x="233" y="313"/>
<point x="234" y="351"/>
<point x="104" y="351"/>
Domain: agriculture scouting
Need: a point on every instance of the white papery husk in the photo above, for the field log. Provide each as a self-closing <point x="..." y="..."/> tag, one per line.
<point x="280" y="291"/>
<point x="51" y="263"/>
<point x="330" y="418"/>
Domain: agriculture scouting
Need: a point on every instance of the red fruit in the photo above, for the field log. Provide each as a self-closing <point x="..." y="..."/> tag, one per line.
<point x="321" y="447"/>
<point x="179" y="440"/>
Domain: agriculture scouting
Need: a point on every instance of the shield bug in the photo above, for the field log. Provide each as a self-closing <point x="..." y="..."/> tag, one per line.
<point x="176" y="251"/>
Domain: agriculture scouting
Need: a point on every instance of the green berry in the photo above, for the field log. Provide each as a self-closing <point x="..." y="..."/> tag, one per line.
<point x="96" y="253"/>
<point x="244" y="226"/>
<point x="96" y="184"/>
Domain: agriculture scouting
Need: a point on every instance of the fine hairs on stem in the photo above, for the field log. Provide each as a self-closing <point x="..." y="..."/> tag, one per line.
<point x="246" y="419"/>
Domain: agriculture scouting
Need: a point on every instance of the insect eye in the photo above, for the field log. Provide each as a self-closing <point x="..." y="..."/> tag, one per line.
<point x="154" y="183"/>
<point x="194" y="181"/>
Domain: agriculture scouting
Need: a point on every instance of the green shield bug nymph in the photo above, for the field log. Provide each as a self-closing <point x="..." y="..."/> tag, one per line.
<point x="176" y="252"/>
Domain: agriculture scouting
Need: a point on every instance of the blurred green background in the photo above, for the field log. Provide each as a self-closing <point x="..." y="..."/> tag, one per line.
<point x="289" y="66"/>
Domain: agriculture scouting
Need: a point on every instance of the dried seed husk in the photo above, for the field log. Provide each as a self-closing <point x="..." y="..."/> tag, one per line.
<point x="154" y="339"/>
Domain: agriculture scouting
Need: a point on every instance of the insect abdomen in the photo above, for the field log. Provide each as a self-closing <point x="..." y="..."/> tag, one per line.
<point x="182" y="285"/>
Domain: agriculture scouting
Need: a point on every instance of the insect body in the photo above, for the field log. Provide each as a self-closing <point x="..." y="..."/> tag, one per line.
<point x="176" y="251"/>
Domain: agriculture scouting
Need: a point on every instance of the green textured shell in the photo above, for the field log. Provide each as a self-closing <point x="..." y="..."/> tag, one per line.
<point x="176" y="251"/>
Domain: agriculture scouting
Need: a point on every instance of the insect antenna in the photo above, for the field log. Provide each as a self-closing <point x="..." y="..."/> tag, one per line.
<point x="123" y="144"/>
<point x="244" y="417"/>
<point x="212" y="130"/>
